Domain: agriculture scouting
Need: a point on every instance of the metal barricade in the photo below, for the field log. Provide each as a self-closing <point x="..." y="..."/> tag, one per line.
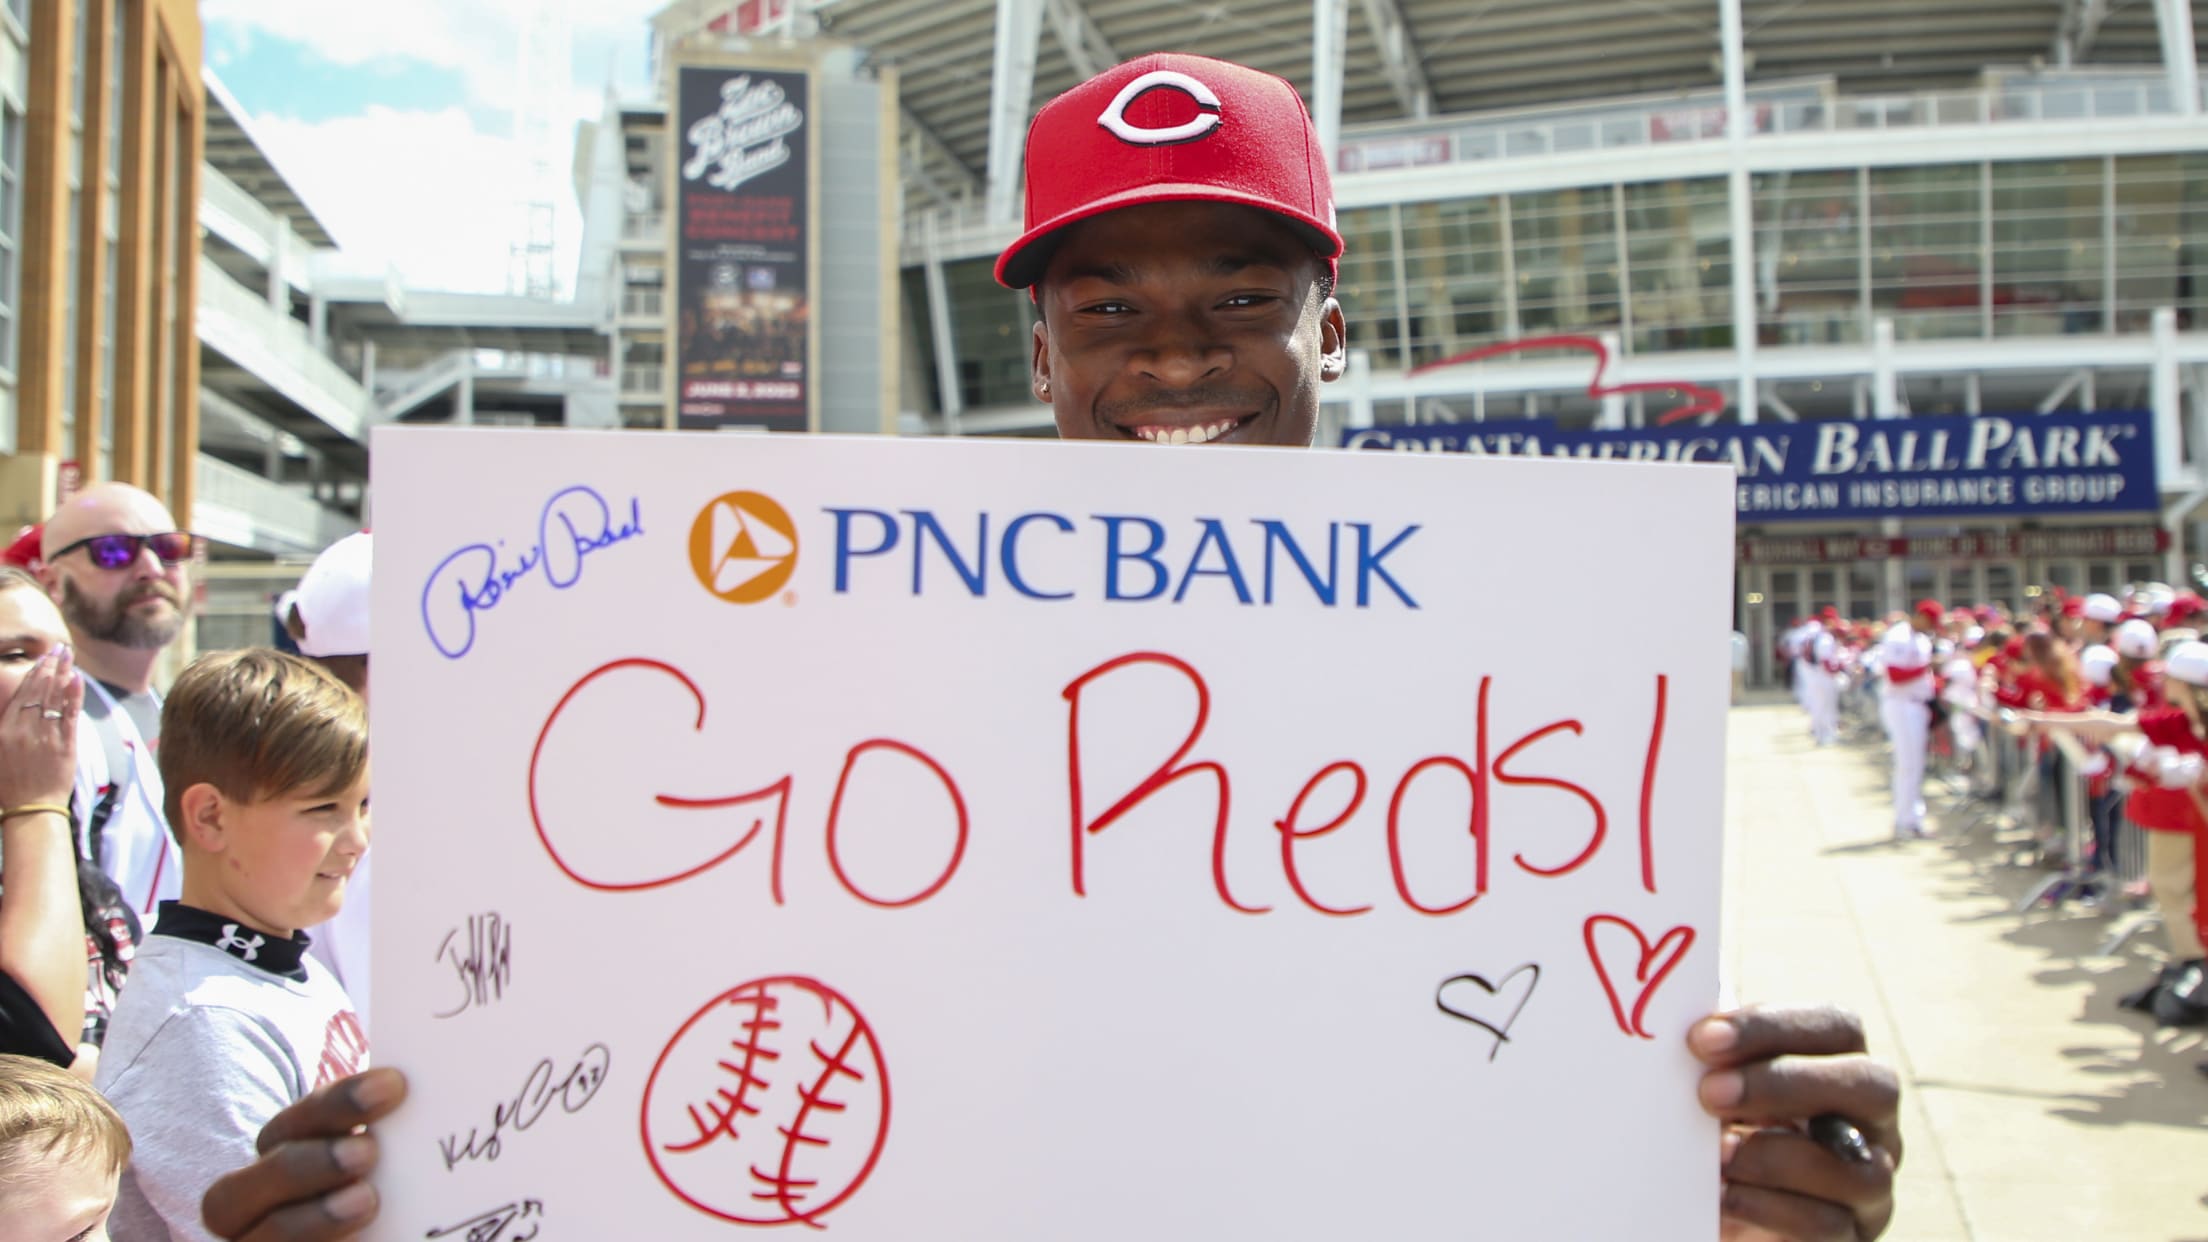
<point x="2074" y="827"/>
<point x="2014" y="777"/>
<point x="2130" y="870"/>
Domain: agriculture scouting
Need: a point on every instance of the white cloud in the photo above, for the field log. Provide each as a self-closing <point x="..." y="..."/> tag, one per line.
<point x="479" y="39"/>
<point x="428" y="192"/>
<point x="435" y="193"/>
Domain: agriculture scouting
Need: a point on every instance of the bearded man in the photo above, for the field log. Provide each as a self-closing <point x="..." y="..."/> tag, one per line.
<point x="114" y="560"/>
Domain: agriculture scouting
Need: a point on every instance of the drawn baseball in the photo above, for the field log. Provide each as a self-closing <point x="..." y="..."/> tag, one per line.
<point x="769" y="1106"/>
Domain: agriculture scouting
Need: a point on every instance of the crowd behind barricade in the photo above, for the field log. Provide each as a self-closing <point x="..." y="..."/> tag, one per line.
<point x="2082" y="720"/>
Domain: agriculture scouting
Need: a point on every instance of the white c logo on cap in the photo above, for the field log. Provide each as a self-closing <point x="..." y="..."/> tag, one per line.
<point x="1115" y="117"/>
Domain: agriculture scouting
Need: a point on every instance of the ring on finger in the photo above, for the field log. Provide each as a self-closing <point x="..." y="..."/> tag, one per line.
<point x="51" y="714"/>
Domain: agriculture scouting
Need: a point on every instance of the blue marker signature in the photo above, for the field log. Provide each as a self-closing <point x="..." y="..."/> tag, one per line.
<point x="575" y="522"/>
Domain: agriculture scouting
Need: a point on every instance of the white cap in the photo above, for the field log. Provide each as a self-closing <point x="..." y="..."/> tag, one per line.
<point x="1974" y="636"/>
<point x="333" y="599"/>
<point x="2136" y="640"/>
<point x="2097" y="663"/>
<point x="2188" y="663"/>
<point x="2103" y="608"/>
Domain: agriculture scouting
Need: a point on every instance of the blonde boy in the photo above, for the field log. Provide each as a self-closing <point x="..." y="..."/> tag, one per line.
<point x="226" y="1020"/>
<point x="61" y="1150"/>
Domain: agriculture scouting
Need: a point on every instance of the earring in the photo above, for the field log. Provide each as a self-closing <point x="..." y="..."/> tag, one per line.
<point x="1045" y="388"/>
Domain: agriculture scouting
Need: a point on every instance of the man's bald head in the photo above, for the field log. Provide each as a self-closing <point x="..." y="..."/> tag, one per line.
<point x="105" y="509"/>
<point x="136" y="606"/>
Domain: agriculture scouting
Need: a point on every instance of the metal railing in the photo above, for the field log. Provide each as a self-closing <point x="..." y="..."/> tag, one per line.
<point x="240" y="323"/>
<point x="643" y="303"/>
<point x="1775" y="109"/>
<point x="644" y="226"/>
<point x="263" y="514"/>
<point x="1800" y="106"/>
<point x="642" y="381"/>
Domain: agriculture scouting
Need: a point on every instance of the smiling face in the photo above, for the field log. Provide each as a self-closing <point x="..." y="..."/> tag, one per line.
<point x="1186" y="323"/>
<point x="278" y="863"/>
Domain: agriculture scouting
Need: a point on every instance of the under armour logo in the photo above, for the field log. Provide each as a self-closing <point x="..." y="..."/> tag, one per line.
<point x="232" y="942"/>
<point x="1206" y="120"/>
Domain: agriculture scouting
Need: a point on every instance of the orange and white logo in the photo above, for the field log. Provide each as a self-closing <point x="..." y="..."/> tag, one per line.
<point x="743" y="547"/>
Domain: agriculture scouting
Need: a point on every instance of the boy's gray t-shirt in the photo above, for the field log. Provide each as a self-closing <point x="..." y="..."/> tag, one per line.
<point x="203" y="1050"/>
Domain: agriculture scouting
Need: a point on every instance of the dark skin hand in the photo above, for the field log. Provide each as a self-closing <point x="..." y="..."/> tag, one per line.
<point x="1770" y="1070"/>
<point x="311" y="1182"/>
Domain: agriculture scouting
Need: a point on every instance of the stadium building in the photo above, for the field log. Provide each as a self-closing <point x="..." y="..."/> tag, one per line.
<point x="1934" y="270"/>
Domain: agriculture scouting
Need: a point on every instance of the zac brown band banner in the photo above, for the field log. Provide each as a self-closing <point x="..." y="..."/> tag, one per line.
<point x="743" y="237"/>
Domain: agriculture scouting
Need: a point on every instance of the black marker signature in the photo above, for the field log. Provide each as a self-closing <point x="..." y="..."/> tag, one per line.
<point x="483" y="961"/>
<point x="544" y="1087"/>
<point x="491" y="1226"/>
<point x="574" y="523"/>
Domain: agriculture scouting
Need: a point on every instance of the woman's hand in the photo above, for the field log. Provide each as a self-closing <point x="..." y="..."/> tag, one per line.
<point x="38" y="734"/>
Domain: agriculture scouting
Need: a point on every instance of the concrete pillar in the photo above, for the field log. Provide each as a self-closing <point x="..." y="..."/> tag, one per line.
<point x="947" y="395"/>
<point x="279" y="262"/>
<point x="1742" y="209"/>
<point x="1019" y="33"/>
<point x="1329" y="49"/>
<point x="2174" y="18"/>
<point x="1613" y="405"/>
<point x="1885" y="385"/>
<point x="2166" y="401"/>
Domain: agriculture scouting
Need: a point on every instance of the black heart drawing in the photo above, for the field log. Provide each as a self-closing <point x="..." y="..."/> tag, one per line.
<point x="1462" y="1009"/>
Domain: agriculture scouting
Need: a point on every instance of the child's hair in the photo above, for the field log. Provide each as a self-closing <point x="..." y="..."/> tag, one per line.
<point x="14" y="577"/>
<point x="256" y="723"/>
<point x="47" y="1115"/>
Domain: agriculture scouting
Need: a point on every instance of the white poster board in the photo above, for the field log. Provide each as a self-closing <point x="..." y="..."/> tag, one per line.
<point x="932" y="840"/>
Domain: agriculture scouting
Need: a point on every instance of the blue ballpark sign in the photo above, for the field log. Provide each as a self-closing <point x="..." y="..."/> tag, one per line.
<point x="1905" y="467"/>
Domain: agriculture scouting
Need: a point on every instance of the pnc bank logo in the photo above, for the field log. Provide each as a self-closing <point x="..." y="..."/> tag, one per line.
<point x="743" y="547"/>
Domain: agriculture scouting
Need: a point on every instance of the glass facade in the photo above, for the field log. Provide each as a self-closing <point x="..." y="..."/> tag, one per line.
<point x="1950" y="251"/>
<point x="991" y="335"/>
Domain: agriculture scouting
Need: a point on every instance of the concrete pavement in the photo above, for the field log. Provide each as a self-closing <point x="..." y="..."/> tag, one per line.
<point x="2034" y="1109"/>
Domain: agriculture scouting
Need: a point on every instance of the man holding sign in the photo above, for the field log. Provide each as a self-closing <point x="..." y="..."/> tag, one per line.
<point x="1182" y="252"/>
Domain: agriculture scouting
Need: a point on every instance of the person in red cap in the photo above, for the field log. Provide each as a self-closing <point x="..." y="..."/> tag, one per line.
<point x="1181" y="247"/>
<point x="1905" y="705"/>
<point x="2178" y="621"/>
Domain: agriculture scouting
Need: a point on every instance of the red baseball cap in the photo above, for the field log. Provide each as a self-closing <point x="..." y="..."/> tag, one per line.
<point x="1172" y="128"/>
<point x="1931" y="610"/>
<point x="23" y="553"/>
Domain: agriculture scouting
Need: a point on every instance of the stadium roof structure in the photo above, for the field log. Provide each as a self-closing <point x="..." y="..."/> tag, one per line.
<point x="1409" y="59"/>
<point x="235" y="152"/>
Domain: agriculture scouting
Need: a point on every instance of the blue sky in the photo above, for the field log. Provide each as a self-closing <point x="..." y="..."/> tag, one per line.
<point x="394" y="119"/>
<point x="295" y="80"/>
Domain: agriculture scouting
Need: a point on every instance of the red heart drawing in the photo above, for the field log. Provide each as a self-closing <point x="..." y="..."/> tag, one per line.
<point x="1657" y="961"/>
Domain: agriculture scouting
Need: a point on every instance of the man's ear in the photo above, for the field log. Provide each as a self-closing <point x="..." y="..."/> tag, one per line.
<point x="1333" y="341"/>
<point x="205" y="817"/>
<point x="1038" y="377"/>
